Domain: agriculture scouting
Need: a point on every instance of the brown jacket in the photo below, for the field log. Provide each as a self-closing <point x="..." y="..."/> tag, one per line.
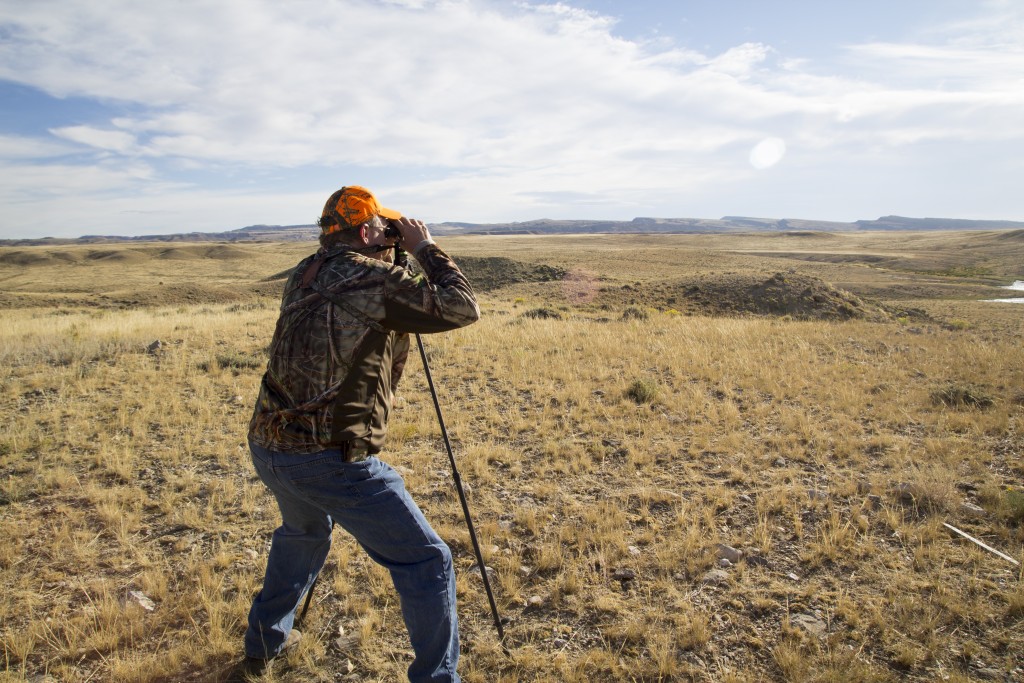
<point x="341" y="343"/>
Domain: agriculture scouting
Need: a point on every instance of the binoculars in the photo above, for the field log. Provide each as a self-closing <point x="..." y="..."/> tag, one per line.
<point x="392" y="231"/>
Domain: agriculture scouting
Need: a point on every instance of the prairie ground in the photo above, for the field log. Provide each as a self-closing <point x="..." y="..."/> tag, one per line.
<point x="689" y="457"/>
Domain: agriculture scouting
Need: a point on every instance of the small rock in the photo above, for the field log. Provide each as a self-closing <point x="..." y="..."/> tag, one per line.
<point x="492" y="575"/>
<point x="810" y="623"/>
<point x="815" y="494"/>
<point x="624" y="575"/>
<point x="560" y="643"/>
<point x="906" y="492"/>
<point x="724" y="563"/>
<point x="154" y="348"/>
<point x="346" y="641"/>
<point x="745" y="498"/>
<point x="251" y="554"/>
<point x="792" y="576"/>
<point x="715" y="577"/>
<point x="141" y="600"/>
<point x="634" y="551"/>
<point x="780" y="462"/>
<point x="972" y="510"/>
<point x="535" y="602"/>
<point x="874" y="502"/>
<point x="756" y="560"/>
<point x="725" y="552"/>
<point x="863" y="486"/>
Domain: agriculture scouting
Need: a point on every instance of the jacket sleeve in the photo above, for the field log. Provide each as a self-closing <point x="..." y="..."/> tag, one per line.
<point x="440" y="299"/>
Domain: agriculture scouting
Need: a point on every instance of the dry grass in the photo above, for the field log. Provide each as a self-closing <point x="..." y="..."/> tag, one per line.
<point x="596" y="446"/>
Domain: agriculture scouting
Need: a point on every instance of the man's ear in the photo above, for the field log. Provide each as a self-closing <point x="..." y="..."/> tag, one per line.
<point x="364" y="233"/>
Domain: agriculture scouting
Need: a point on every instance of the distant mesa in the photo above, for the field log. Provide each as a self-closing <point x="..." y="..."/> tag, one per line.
<point x="901" y="223"/>
<point x="547" y="226"/>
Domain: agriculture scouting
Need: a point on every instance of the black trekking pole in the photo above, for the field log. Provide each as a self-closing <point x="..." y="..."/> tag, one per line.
<point x="462" y="497"/>
<point x="309" y="594"/>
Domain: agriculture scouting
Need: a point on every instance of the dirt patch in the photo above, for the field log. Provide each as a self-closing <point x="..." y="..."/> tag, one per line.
<point x="177" y="254"/>
<point x="271" y="289"/>
<point x="1011" y="236"/>
<point x="282" y="275"/>
<point x="32" y="258"/>
<point x="116" y="256"/>
<point x="11" y="300"/>
<point x="189" y="252"/>
<point x="829" y="257"/>
<point x="490" y="273"/>
<point x="794" y="295"/>
<point x="182" y="294"/>
<point x="225" y="252"/>
<point x="808" y="233"/>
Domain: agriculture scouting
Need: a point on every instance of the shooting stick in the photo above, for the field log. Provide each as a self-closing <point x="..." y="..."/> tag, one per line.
<point x="462" y="495"/>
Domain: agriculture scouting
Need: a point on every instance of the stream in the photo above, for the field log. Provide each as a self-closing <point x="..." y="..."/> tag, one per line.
<point x="1016" y="286"/>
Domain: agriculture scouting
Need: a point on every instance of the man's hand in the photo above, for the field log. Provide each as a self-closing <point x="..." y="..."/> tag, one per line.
<point x="413" y="232"/>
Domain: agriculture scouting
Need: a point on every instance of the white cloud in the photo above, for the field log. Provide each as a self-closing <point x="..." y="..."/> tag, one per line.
<point x="18" y="147"/>
<point x="521" y="103"/>
<point x="740" y="61"/>
<point x="59" y="181"/>
<point x="110" y="140"/>
<point x="67" y="201"/>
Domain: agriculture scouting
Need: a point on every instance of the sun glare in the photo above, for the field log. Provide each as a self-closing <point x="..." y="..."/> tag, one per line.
<point x="767" y="153"/>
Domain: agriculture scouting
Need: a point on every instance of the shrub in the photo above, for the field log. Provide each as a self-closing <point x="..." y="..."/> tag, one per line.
<point x="642" y="391"/>
<point x="1014" y="501"/>
<point x="958" y="395"/>
<point x="634" y="313"/>
<point x="543" y="314"/>
<point x="252" y="306"/>
<point x="234" y="360"/>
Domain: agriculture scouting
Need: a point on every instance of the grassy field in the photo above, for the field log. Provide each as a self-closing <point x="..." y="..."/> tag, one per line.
<point x="629" y="411"/>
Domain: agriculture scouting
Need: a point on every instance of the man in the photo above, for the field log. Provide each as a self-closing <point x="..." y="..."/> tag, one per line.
<point x="340" y="346"/>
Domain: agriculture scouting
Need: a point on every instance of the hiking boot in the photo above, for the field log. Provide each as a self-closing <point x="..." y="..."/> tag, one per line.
<point x="293" y="639"/>
<point x="251" y="668"/>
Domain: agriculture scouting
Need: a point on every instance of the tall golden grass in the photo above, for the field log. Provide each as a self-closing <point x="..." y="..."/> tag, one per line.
<point x="606" y="460"/>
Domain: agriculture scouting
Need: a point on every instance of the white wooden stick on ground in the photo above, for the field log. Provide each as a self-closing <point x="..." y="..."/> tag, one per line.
<point x="986" y="547"/>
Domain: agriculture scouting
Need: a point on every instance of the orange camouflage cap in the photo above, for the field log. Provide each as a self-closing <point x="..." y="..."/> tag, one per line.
<point x="350" y="207"/>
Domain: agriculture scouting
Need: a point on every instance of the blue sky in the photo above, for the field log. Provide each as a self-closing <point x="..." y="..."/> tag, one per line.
<point x="121" y="117"/>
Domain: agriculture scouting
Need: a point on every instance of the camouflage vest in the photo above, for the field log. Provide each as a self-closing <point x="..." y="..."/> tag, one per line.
<point x="341" y="343"/>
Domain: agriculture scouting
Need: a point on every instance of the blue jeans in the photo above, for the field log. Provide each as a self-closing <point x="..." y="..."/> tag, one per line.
<point x="368" y="499"/>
